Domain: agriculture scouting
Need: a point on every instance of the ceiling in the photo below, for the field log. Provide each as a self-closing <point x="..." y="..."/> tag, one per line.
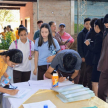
<point x="14" y="4"/>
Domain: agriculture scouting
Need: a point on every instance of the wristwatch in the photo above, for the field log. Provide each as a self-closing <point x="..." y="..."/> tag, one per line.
<point x="69" y="78"/>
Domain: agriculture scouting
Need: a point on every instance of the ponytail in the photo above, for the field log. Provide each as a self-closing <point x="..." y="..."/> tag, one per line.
<point x="100" y="24"/>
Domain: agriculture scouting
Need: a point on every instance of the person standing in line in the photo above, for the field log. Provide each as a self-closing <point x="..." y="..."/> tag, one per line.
<point x="103" y="64"/>
<point x="81" y="47"/>
<point x="89" y="55"/>
<point x="46" y="48"/>
<point x="96" y="49"/>
<point x="55" y="34"/>
<point x="66" y="37"/>
<point x="22" y="72"/>
<point x="37" y="33"/>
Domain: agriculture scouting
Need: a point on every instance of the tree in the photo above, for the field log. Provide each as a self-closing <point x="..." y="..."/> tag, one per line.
<point x="7" y="16"/>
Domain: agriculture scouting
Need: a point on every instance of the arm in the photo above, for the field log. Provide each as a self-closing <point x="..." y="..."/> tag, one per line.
<point x="75" y="74"/>
<point x="48" y="74"/>
<point x="60" y="41"/>
<point x="69" y="45"/>
<point x="97" y="45"/>
<point x="11" y="92"/>
<point x="32" y="50"/>
<point x="36" y="62"/>
<point x="80" y="43"/>
<point x="5" y="75"/>
<point x="50" y="58"/>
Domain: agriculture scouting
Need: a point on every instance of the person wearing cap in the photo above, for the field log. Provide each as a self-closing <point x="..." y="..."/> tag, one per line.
<point x="67" y="63"/>
<point x="103" y="63"/>
<point x="9" y="58"/>
<point x="81" y="47"/>
<point x="10" y="33"/>
<point x="55" y="34"/>
<point x="65" y="37"/>
<point x="37" y="33"/>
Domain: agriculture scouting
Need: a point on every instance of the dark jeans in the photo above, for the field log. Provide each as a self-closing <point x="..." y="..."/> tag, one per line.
<point x="19" y="76"/>
<point x="83" y="75"/>
<point x="89" y="70"/>
<point x="103" y="86"/>
<point x="76" y="79"/>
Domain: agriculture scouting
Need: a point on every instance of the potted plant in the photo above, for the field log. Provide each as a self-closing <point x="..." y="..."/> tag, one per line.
<point x="5" y="43"/>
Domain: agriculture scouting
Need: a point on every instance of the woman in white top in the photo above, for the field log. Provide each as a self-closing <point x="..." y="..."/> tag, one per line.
<point x="21" y="73"/>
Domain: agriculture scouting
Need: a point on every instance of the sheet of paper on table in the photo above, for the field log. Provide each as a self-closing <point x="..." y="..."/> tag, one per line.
<point x="21" y="93"/>
<point x="40" y="104"/>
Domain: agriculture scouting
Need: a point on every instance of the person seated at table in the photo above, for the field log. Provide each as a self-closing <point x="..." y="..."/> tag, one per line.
<point x="67" y="63"/>
<point x="9" y="58"/>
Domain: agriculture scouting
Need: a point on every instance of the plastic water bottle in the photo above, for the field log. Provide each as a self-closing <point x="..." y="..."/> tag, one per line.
<point x="55" y="80"/>
<point x="53" y="52"/>
<point x="6" y="81"/>
<point x="45" y="106"/>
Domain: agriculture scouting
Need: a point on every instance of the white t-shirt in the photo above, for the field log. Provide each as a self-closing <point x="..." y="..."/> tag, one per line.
<point x="25" y="48"/>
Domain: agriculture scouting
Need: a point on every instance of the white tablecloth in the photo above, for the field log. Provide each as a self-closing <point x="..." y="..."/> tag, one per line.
<point x="34" y="87"/>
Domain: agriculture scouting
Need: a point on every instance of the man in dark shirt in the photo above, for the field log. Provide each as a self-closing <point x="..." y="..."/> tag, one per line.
<point x="81" y="47"/>
<point x="67" y="63"/>
<point x="36" y="35"/>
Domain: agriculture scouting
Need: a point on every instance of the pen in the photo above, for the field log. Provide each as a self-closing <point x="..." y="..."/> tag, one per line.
<point x="28" y="83"/>
<point x="61" y="74"/>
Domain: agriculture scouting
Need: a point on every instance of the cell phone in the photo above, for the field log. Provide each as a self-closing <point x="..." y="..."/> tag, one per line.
<point x="89" y="40"/>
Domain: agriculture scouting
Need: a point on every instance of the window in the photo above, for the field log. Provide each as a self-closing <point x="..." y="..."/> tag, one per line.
<point x="27" y="24"/>
<point x="21" y="22"/>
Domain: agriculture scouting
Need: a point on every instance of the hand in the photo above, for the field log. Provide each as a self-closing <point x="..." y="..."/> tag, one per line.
<point x="61" y="79"/>
<point x="83" y="59"/>
<point x="87" y="42"/>
<point x="29" y="58"/>
<point x="13" y="92"/>
<point x="35" y="71"/>
<point x="65" y="41"/>
<point x="49" y="59"/>
<point x="66" y="47"/>
<point x="72" y="81"/>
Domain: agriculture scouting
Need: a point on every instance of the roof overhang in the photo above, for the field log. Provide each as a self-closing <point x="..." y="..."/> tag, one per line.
<point x="14" y="4"/>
